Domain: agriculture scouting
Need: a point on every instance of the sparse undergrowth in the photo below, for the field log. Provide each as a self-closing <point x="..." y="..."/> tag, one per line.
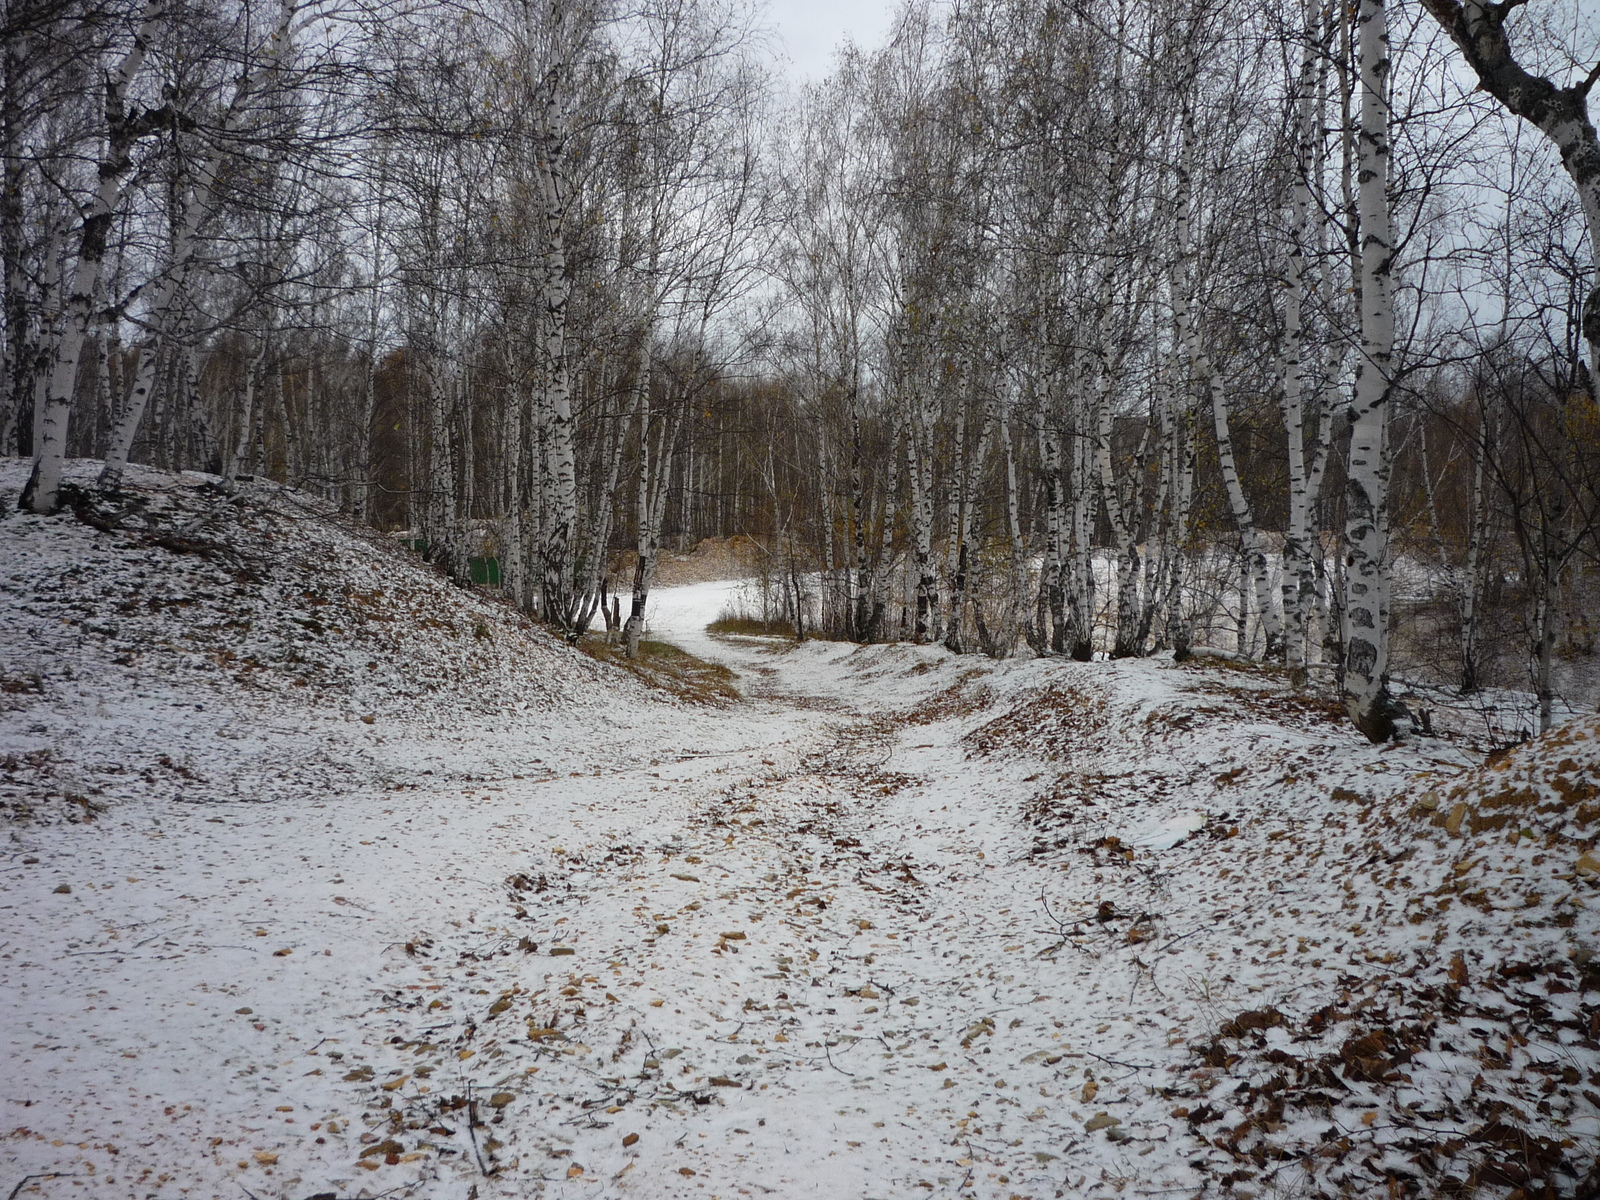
<point x="663" y="665"/>
<point x="735" y="626"/>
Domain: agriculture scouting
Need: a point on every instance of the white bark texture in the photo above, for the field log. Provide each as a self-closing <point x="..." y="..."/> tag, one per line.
<point x="561" y="468"/>
<point x="919" y="470"/>
<point x="1050" y="633"/>
<point x="1255" y="548"/>
<point x="42" y="493"/>
<point x="1080" y="564"/>
<point x="1367" y="570"/>
<point x="1185" y="354"/>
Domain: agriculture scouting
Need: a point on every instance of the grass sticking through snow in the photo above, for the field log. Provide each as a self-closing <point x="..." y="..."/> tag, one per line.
<point x="663" y="665"/>
<point x="750" y="627"/>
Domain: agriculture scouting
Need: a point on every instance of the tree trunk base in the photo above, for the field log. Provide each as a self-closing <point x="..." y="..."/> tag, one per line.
<point x="1386" y="719"/>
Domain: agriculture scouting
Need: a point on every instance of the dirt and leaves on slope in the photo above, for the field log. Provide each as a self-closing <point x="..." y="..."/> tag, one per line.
<point x="909" y="924"/>
<point x="1187" y="915"/>
<point x="1398" y="954"/>
<point x="179" y="641"/>
<point x="1471" y="1066"/>
<point x="1306" y="966"/>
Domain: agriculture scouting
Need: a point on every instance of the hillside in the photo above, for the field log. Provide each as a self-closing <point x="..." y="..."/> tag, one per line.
<point x="893" y="922"/>
<point x="186" y="644"/>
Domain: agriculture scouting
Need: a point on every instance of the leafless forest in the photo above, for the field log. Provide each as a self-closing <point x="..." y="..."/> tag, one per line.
<point x="1072" y="328"/>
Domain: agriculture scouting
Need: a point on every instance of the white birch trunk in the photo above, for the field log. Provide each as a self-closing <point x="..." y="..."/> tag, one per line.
<point x="1296" y="555"/>
<point x="202" y="436"/>
<point x="363" y="505"/>
<point x="647" y="536"/>
<point x="919" y="471"/>
<point x="1367" y="572"/>
<point x="964" y="483"/>
<point x="824" y="517"/>
<point x="856" y="581"/>
<point x="441" y="527"/>
<point x="1080" y="564"/>
<point x="594" y="583"/>
<point x="650" y="530"/>
<point x="166" y="304"/>
<point x="49" y="343"/>
<point x="248" y="429"/>
<point x="633" y="629"/>
<point x="42" y="493"/>
<point x="1019" y="553"/>
<point x="1186" y="353"/>
<point x="1544" y="647"/>
<point x="1126" y="642"/>
<point x="886" y="520"/>
<point x="1260" y="573"/>
<point x="561" y="473"/>
<point x="1148" y="589"/>
<point x="512" y="499"/>
<point x="1052" y="620"/>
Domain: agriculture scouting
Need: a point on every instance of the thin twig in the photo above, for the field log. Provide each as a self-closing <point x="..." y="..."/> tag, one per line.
<point x="26" y="1179"/>
<point x="831" y="1063"/>
<point x="472" y="1133"/>
<point x="1119" y="1063"/>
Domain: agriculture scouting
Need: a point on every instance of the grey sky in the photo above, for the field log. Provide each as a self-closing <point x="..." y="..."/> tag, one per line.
<point x="810" y="30"/>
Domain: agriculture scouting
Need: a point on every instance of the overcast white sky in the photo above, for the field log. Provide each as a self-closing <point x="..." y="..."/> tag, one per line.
<point x="809" y="30"/>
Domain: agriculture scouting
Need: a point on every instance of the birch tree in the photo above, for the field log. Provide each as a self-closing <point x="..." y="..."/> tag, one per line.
<point x="199" y="207"/>
<point x="1367" y="568"/>
<point x="125" y="125"/>
<point x="1478" y="28"/>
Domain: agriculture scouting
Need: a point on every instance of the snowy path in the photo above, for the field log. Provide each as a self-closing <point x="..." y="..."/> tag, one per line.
<point x="801" y="947"/>
<point x="761" y="982"/>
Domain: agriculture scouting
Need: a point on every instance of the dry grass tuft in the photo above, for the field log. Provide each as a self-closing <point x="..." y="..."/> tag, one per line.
<point x="663" y="665"/>
<point x="735" y="626"/>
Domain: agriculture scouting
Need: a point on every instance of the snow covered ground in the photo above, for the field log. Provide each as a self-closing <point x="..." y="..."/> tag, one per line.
<point x="897" y="923"/>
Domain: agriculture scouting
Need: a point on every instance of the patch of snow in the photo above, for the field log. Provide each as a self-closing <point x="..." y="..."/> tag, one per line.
<point x="879" y="929"/>
<point x="1170" y="832"/>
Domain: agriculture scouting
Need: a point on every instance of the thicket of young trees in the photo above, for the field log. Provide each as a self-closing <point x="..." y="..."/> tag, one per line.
<point x="1107" y="327"/>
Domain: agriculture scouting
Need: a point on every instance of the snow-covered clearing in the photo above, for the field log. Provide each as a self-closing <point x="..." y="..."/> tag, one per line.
<point x="424" y="904"/>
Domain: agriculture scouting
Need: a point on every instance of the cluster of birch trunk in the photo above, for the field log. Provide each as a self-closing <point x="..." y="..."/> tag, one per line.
<point x="1089" y="295"/>
<point x="1074" y="329"/>
<point x="504" y="236"/>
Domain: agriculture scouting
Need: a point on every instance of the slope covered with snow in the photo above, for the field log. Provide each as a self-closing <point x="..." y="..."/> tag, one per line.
<point x="897" y="923"/>
<point x="184" y="643"/>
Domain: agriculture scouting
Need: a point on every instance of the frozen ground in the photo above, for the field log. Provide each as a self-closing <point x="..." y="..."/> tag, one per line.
<point x="895" y="924"/>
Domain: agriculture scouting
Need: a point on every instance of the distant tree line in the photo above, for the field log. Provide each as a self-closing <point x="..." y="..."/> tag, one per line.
<point x="1102" y="328"/>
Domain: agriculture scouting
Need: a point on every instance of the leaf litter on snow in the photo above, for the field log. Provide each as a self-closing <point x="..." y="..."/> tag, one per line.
<point x="907" y="924"/>
<point x="257" y="757"/>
